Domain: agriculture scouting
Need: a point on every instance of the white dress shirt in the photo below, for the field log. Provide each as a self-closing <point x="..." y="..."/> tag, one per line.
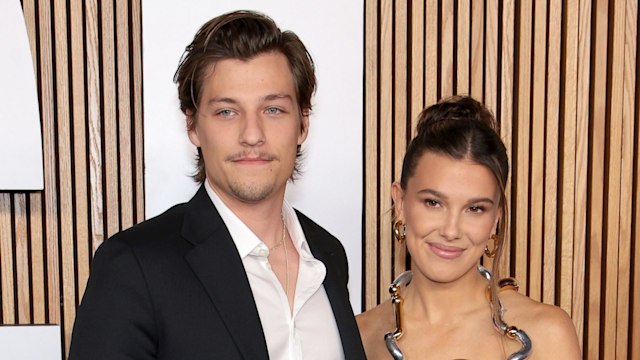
<point x="310" y="332"/>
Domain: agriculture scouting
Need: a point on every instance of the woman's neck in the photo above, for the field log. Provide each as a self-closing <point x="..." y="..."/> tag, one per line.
<point x="434" y="303"/>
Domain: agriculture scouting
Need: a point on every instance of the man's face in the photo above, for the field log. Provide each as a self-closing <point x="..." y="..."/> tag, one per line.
<point x="249" y="126"/>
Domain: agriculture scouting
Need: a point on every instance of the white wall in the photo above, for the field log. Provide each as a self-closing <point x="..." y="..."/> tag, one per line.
<point x="20" y="136"/>
<point x="330" y="190"/>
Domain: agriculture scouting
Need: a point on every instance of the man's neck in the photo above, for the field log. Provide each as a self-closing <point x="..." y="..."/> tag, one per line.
<point x="263" y="217"/>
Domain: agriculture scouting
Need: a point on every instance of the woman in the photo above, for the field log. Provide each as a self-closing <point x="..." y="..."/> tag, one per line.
<point x="450" y="210"/>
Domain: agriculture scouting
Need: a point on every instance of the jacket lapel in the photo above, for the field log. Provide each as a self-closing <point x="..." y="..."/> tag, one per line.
<point x="335" y="284"/>
<point x="215" y="261"/>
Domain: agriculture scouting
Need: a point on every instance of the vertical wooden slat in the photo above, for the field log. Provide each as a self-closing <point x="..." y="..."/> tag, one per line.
<point x="94" y="123"/>
<point x="136" y="35"/>
<point x="463" y="47"/>
<point x="568" y="157"/>
<point x="581" y="174"/>
<point x="6" y="261"/>
<point x="23" y="283"/>
<point x="417" y="64"/>
<point x="37" y="258"/>
<point x="386" y="142"/>
<point x="47" y="115"/>
<point x="552" y="104"/>
<point x="626" y="176"/>
<point x="79" y="141"/>
<point x="371" y="166"/>
<point x="477" y="49"/>
<point x="66" y="221"/>
<point x="124" y="114"/>
<point x="110" y="130"/>
<point x="400" y="114"/>
<point x="431" y="52"/>
<point x="505" y="116"/>
<point x="446" y="49"/>
<point x="521" y="180"/>
<point x="537" y="184"/>
<point x="597" y="143"/>
<point x="490" y="97"/>
<point x="614" y="182"/>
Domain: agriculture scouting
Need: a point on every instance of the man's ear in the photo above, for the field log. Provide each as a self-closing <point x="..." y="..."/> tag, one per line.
<point x="397" y="194"/>
<point x="304" y="126"/>
<point x="192" y="131"/>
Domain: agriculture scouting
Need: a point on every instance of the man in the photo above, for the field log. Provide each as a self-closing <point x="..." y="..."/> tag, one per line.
<point x="235" y="273"/>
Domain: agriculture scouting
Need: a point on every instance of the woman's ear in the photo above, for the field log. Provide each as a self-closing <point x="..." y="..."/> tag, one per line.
<point x="397" y="194"/>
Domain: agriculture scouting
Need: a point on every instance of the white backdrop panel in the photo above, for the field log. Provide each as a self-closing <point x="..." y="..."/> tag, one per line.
<point x="20" y="136"/>
<point x="330" y="190"/>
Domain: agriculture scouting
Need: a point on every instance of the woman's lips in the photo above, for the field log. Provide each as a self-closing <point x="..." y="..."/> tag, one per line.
<point x="444" y="251"/>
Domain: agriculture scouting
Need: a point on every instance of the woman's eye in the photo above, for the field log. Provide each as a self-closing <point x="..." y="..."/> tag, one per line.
<point x="431" y="202"/>
<point x="476" y="209"/>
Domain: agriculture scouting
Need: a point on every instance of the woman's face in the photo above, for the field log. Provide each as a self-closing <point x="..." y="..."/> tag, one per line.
<point x="450" y="208"/>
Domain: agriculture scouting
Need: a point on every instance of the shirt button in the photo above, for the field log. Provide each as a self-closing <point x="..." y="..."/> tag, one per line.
<point x="262" y="253"/>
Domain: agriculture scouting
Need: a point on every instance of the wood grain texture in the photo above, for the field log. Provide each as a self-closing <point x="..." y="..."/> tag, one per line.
<point x="385" y="94"/>
<point x="370" y="261"/>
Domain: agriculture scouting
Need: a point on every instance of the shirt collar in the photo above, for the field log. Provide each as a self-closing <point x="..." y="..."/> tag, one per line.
<point x="246" y="240"/>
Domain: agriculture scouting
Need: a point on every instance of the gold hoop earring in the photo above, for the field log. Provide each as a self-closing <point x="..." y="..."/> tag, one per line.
<point x="399" y="231"/>
<point x="491" y="253"/>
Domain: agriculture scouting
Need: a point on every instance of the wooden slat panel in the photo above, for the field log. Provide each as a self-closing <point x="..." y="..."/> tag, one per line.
<point x="23" y="284"/>
<point x="446" y="49"/>
<point x="136" y="35"/>
<point x="521" y="173"/>
<point x="417" y="64"/>
<point x="552" y="113"/>
<point x="568" y="158"/>
<point x="371" y="166"/>
<point x="399" y="116"/>
<point x="6" y="263"/>
<point x="37" y="258"/>
<point x="626" y="177"/>
<point x="386" y="143"/>
<point x="597" y="143"/>
<point x="431" y="52"/>
<point x="537" y="184"/>
<point x="581" y="174"/>
<point x="79" y="149"/>
<point x="463" y="48"/>
<point x="505" y="116"/>
<point x="66" y="221"/>
<point x="124" y="114"/>
<point x="109" y="112"/>
<point x="614" y="180"/>
<point x="477" y="49"/>
<point x="490" y="97"/>
<point x="94" y="123"/>
<point x="47" y="115"/>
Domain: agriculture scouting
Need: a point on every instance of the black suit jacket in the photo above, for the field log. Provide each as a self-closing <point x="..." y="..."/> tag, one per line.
<point x="174" y="287"/>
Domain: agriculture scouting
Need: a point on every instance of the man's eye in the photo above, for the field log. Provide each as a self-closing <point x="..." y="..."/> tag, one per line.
<point x="225" y="112"/>
<point x="273" y="111"/>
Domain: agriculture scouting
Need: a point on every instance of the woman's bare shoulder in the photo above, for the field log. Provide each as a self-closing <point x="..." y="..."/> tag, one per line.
<point x="373" y="324"/>
<point x="374" y="320"/>
<point x="550" y="328"/>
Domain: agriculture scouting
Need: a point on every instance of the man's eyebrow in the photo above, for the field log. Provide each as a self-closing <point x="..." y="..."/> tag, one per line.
<point x="221" y="99"/>
<point x="278" y="97"/>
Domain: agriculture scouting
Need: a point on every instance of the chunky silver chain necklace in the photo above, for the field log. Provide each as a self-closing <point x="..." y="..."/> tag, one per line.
<point x="500" y="325"/>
